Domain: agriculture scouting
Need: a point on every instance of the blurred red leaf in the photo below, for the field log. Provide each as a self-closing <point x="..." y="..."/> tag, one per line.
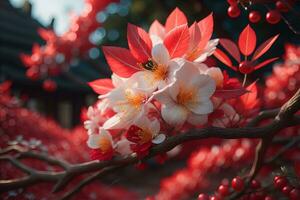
<point x="220" y="55"/>
<point x="265" y="63"/>
<point x="206" y="27"/>
<point x="120" y="60"/>
<point x="264" y="47"/>
<point x="231" y="48"/>
<point x="139" y="43"/>
<point x="247" y="41"/>
<point x="101" y="86"/>
<point x="175" y="19"/>
<point x="177" y="41"/>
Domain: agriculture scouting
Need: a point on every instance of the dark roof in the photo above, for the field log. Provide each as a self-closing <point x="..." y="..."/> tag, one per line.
<point x="18" y="34"/>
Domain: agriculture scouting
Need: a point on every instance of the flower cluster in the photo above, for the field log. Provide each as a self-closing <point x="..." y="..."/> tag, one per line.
<point x="61" y="52"/>
<point x="159" y="85"/>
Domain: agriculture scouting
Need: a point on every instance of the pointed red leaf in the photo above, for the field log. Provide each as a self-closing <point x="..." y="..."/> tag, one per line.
<point x="176" y="18"/>
<point x="250" y="99"/>
<point x="195" y="36"/>
<point x="206" y="27"/>
<point x="139" y="43"/>
<point x="231" y="48"/>
<point x="102" y="86"/>
<point x="265" y="63"/>
<point x="177" y="41"/>
<point x="157" y="28"/>
<point x="247" y="41"/>
<point x="120" y="61"/>
<point x="264" y="47"/>
<point x="229" y="94"/>
<point x="221" y="56"/>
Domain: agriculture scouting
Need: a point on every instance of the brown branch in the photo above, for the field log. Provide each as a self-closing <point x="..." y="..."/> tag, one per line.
<point x="284" y="118"/>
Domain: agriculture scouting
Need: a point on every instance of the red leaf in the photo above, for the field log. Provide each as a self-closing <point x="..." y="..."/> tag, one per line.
<point x="229" y="94"/>
<point x="175" y="19"/>
<point x="231" y="48"/>
<point x="195" y="36"/>
<point x="157" y="28"/>
<point x="139" y="43"/>
<point x="264" y="47"/>
<point x="247" y="41"/>
<point x="101" y="86"/>
<point x="36" y="48"/>
<point x="221" y="56"/>
<point x="120" y="61"/>
<point x="250" y="99"/>
<point x="177" y="41"/>
<point x="26" y="60"/>
<point x="206" y="27"/>
<point x="46" y="34"/>
<point x="265" y="63"/>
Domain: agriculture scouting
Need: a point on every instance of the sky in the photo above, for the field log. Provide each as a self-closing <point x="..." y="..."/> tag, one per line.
<point x="45" y="10"/>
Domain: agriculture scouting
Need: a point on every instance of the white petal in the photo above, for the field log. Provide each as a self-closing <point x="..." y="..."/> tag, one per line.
<point x="93" y="141"/>
<point x="117" y="80"/>
<point x="187" y="74"/>
<point x="209" y="50"/>
<point x="201" y="108"/>
<point x="156" y="39"/>
<point x="206" y="86"/>
<point x="105" y="133"/>
<point x="154" y="126"/>
<point x="159" y="139"/>
<point x="115" y="122"/>
<point x="174" y="114"/>
<point x="216" y="74"/>
<point x="197" y="119"/>
<point x="123" y="147"/>
<point x="160" y="54"/>
<point x="202" y="67"/>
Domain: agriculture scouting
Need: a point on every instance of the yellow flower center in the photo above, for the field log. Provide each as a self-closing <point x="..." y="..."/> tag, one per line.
<point x="185" y="95"/>
<point x="105" y="144"/>
<point x="136" y="100"/>
<point x="160" y="72"/>
<point x="145" y="136"/>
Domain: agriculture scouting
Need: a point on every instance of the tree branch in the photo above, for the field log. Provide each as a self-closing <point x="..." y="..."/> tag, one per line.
<point x="285" y="117"/>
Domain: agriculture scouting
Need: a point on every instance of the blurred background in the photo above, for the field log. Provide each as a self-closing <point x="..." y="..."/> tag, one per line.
<point x="51" y="49"/>
<point x="83" y="26"/>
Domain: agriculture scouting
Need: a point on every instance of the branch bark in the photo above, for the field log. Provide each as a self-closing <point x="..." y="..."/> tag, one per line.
<point x="282" y="118"/>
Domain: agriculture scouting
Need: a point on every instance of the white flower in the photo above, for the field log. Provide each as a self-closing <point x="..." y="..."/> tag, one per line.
<point x="188" y="98"/>
<point x="208" y="51"/>
<point x="214" y="72"/>
<point x="130" y="101"/>
<point x="95" y="116"/>
<point x="160" y="69"/>
<point x="123" y="147"/>
<point x="102" y="141"/>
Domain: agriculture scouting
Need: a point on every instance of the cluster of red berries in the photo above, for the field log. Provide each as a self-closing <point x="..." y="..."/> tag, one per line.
<point x="272" y="16"/>
<point x="207" y="160"/>
<point x="282" y="184"/>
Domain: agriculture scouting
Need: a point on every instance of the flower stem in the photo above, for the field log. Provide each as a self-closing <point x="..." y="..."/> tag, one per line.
<point x="245" y="79"/>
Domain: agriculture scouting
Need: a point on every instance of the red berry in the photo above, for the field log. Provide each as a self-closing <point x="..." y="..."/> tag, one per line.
<point x="32" y="74"/>
<point x="277" y="177"/>
<point x="255" y="184"/>
<point x="214" y="198"/>
<point x="268" y="198"/>
<point x="246" y="67"/>
<point x="254" y="16"/>
<point x="237" y="183"/>
<point x="49" y="85"/>
<point x="203" y="197"/>
<point x="223" y="190"/>
<point x="295" y="194"/>
<point x="233" y="11"/>
<point x="280" y="183"/>
<point x="232" y="2"/>
<point x="273" y="17"/>
<point x="286" y="190"/>
<point x="282" y="6"/>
